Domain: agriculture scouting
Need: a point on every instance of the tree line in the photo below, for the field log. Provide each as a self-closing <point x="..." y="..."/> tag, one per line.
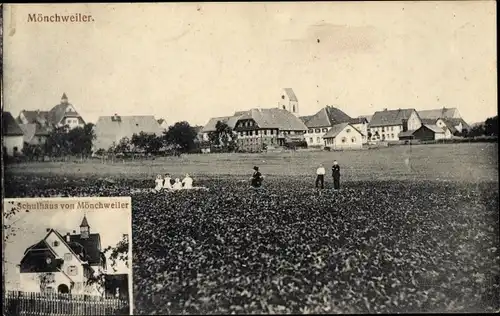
<point x="178" y="138"/>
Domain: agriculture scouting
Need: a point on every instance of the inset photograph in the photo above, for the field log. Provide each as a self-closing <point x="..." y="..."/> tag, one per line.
<point x="67" y="256"/>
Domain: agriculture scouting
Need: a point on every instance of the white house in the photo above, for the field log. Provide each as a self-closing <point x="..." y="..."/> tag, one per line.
<point x="386" y="125"/>
<point x="61" y="114"/>
<point x="321" y="122"/>
<point x="343" y="136"/>
<point x="64" y="264"/>
<point x="12" y="135"/>
<point x="361" y="124"/>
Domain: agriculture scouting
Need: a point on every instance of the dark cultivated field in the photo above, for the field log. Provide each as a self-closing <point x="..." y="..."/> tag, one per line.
<point x="376" y="246"/>
<point x="413" y="230"/>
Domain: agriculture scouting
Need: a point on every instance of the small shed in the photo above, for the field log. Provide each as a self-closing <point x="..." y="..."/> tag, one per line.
<point x="429" y="132"/>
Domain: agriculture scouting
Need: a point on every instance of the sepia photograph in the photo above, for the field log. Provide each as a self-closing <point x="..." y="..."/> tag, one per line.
<point x="280" y="157"/>
<point x="61" y="259"/>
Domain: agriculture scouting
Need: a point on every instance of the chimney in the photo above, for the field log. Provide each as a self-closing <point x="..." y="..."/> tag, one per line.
<point x="47" y="230"/>
<point x="68" y="239"/>
<point x="385" y="109"/>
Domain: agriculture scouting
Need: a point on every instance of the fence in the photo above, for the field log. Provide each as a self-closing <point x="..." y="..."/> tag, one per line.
<point x="38" y="304"/>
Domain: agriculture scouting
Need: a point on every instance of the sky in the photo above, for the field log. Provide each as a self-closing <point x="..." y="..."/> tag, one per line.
<point x="194" y="61"/>
<point x="31" y="228"/>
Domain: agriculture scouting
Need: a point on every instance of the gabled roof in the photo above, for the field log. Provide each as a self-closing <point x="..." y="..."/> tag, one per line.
<point x="390" y="117"/>
<point x="58" y="112"/>
<point x="35" y="116"/>
<point x="434" y="128"/>
<point x="91" y="246"/>
<point x="455" y="122"/>
<point x="32" y="130"/>
<point x="337" y="128"/>
<point x="109" y="129"/>
<point x="10" y="126"/>
<point x="438" y="113"/>
<point x="326" y="117"/>
<point x="291" y="95"/>
<point x="275" y="118"/>
<point x="229" y="120"/>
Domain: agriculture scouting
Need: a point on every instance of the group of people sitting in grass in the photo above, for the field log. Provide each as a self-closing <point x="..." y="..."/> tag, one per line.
<point x="165" y="183"/>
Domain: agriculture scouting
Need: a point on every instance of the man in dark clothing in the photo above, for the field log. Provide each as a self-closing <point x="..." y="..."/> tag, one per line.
<point x="336" y="175"/>
<point x="256" y="178"/>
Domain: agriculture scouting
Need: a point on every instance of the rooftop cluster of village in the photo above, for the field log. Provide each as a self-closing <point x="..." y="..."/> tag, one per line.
<point x="255" y="128"/>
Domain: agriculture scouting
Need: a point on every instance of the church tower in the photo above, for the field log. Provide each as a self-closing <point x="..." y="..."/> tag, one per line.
<point x="84" y="228"/>
<point x="288" y="101"/>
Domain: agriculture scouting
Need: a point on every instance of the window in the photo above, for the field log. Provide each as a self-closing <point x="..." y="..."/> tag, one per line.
<point x="318" y="140"/>
<point x="72" y="271"/>
<point x="318" y="130"/>
<point x="311" y="131"/>
<point x="67" y="257"/>
<point x="344" y="139"/>
<point x="293" y="108"/>
<point x="392" y="135"/>
<point x="311" y="140"/>
<point x="392" y="128"/>
<point x="348" y="130"/>
<point x="353" y="140"/>
<point x="283" y="97"/>
<point x="383" y="129"/>
<point x="325" y="130"/>
<point x="55" y="243"/>
<point x="265" y="132"/>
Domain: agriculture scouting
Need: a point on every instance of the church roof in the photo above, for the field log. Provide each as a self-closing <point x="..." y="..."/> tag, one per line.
<point x="84" y="222"/>
<point x="291" y="95"/>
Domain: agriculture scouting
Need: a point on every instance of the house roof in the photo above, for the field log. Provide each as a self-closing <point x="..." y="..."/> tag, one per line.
<point x="305" y="118"/>
<point x="429" y="121"/>
<point x="32" y="130"/>
<point x="91" y="246"/>
<point x="275" y="118"/>
<point x="434" y="128"/>
<point x="327" y="116"/>
<point x="359" y="120"/>
<point x="438" y="113"/>
<point x="390" y="117"/>
<point x="291" y="95"/>
<point x="406" y="134"/>
<point x="10" y="126"/>
<point x="337" y="128"/>
<point x="35" y="116"/>
<point x="109" y="129"/>
<point x="367" y="117"/>
<point x="58" y="112"/>
<point x="455" y="122"/>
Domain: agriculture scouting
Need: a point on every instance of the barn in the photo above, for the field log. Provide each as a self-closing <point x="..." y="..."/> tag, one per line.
<point x="429" y="132"/>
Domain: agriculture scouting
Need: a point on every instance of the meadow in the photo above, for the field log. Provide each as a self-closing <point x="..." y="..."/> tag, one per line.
<point x="412" y="230"/>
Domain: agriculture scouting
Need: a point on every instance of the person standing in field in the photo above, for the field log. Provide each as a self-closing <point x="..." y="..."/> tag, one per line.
<point x="320" y="176"/>
<point x="336" y="175"/>
<point x="256" y="180"/>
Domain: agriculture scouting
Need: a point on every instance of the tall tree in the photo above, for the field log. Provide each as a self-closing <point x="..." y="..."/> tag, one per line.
<point x="223" y="136"/>
<point x="182" y="135"/>
<point x="491" y="126"/>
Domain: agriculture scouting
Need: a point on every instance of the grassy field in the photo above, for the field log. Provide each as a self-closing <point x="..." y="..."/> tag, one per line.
<point x="459" y="162"/>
